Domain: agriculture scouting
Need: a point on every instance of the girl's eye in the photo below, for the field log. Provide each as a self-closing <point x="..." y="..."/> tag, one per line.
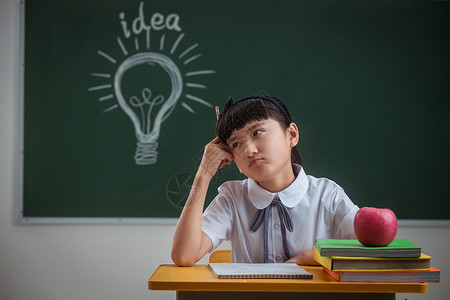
<point x="257" y="132"/>
<point x="235" y="145"/>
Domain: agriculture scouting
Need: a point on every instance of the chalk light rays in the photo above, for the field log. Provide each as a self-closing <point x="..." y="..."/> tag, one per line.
<point x="185" y="57"/>
<point x="108" y="88"/>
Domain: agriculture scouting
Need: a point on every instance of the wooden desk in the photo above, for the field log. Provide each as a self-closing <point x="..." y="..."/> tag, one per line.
<point x="199" y="282"/>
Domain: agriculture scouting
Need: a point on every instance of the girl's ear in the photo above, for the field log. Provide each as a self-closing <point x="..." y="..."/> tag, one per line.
<point x="293" y="135"/>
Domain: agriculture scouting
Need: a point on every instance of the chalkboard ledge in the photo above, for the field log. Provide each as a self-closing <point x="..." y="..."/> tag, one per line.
<point x="173" y="221"/>
<point x="81" y="220"/>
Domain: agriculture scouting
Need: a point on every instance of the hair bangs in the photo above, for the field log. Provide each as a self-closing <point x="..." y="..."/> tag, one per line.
<point x="241" y="114"/>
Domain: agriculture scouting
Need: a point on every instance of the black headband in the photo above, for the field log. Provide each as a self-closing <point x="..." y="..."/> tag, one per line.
<point x="230" y="104"/>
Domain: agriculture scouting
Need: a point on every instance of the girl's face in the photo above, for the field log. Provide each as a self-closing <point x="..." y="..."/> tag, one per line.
<point x="262" y="151"/>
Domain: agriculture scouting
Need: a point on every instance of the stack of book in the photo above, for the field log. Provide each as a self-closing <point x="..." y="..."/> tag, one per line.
<point x="349" y="261"/>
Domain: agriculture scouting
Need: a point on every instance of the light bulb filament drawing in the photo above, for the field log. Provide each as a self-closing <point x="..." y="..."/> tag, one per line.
<point x="145" y="107"/>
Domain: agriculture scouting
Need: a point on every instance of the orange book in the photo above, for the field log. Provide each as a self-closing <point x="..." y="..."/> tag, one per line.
<point x="430" y="275"/>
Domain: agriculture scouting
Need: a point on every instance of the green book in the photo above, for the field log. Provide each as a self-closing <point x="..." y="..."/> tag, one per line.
<point x="398" y="248"/>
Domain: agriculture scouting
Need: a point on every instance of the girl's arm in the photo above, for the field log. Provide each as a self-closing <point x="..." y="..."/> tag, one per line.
<point x="190" y="244"/>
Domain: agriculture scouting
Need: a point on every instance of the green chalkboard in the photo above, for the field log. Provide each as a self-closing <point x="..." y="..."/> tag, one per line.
<point x="119" y="98"/>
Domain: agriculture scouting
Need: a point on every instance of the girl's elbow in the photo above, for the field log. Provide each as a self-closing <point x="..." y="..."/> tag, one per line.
<point x="182" y="260"/>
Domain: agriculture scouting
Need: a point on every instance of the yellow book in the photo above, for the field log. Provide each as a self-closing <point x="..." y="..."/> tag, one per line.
<point x="344" y="263"/>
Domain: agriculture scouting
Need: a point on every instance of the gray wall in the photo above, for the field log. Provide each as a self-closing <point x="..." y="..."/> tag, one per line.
<point x="53" y="262"/>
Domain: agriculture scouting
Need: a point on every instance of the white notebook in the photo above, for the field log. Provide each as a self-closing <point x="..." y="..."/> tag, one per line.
<point x="269" y="270"/>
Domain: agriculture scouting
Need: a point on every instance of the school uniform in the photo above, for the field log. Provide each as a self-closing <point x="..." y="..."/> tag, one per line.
<point x="317" y="208"/>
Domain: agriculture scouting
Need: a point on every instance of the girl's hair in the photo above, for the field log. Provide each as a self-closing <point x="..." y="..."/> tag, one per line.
<point x="254" y="109"/>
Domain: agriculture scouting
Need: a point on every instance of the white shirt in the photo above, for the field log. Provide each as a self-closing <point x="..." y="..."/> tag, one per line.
<point x="319" y="208"/>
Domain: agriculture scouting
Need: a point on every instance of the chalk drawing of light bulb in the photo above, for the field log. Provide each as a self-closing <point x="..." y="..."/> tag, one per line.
<point x="147" y="129"/>
<point x="153" y="43"/>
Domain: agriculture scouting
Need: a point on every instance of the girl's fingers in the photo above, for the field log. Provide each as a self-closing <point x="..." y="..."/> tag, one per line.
<point x="222" y="145"/>
<point x="216" y="140"/>
<point x="216" y="155"/>
<point x="225" y="162"/>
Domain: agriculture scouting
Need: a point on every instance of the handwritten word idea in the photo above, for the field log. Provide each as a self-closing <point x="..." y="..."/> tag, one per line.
<point x="157" y="22"/>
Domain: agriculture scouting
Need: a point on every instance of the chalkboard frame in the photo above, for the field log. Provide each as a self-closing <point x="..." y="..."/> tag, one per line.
<point x="81" y="220"/>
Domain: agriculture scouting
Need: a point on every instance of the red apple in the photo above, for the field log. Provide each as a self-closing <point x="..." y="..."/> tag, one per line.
<point x="375" y="227"/>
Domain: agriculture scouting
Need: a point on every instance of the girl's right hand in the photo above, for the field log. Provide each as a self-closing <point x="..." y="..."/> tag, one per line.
<point x="215" y="156"/>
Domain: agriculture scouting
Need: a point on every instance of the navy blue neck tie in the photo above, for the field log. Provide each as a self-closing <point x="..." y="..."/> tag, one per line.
<point x="285" y="220"/>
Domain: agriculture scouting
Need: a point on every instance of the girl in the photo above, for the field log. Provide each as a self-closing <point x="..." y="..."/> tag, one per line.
<point x="277" y="213"/>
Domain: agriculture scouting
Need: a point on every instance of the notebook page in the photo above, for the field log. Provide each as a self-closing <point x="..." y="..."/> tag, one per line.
<point x="269" y="270"/>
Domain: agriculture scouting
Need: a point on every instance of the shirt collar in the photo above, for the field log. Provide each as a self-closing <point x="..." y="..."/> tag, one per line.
<point x="290" y="196"/>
